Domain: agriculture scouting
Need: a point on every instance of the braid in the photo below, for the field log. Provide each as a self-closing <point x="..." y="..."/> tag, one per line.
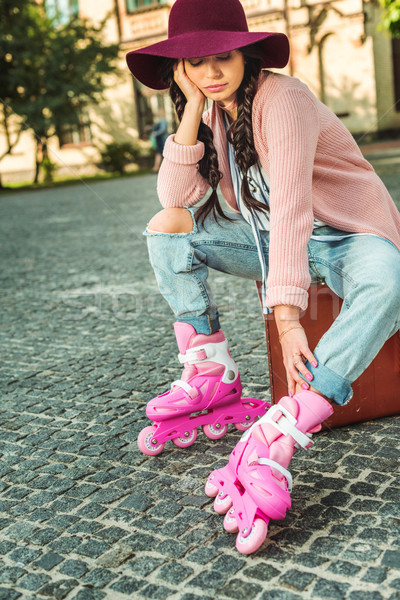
<point x="208" y="165"/>
<point x="240" y="134"/>
<point x="208" y="168"/>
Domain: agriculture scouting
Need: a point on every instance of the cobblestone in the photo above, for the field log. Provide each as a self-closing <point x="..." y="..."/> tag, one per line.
<point x="85" y="342"/>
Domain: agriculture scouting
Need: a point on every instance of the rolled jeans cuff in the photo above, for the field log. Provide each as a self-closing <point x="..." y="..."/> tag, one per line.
<point x="203" y="324"/>
<point x="329" y="383"/>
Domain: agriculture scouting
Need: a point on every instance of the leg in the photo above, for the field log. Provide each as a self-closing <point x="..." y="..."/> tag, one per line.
<point x="171" y="220"/>
<point x="365" y="271"/>
<point x="181" y="252"/>
<point x="208" y="393"/>
<point x="256" y="482"/>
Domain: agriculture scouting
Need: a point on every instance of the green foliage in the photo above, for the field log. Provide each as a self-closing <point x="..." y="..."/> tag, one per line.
<point x="48" y="168"/>
<point x="116" y="156"/>
<point x="391" y="16"/>
<point x="49" y="71"/>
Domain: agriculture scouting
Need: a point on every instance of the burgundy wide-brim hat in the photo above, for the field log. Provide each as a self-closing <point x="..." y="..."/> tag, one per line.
<point x="199" y="28"/>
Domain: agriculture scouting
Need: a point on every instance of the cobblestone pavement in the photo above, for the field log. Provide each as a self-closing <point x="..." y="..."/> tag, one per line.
<point x="86" y="341"/>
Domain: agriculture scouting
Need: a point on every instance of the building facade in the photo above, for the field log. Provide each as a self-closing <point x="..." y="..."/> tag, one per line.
<point x="337" y="49"/>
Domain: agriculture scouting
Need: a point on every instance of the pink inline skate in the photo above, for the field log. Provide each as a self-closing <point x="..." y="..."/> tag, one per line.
<point x="255" y="485"/>
<point x="208" y="395"/>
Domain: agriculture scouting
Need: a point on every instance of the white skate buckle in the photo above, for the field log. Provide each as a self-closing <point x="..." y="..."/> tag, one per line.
<point x="216" y="352"/>
<point x="193" y="356"/>
<point x="286" y="423"/>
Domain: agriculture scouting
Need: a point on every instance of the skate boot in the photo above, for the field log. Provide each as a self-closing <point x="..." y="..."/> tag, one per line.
<point x="208" y="395"/>
<point x="255" y="485"/>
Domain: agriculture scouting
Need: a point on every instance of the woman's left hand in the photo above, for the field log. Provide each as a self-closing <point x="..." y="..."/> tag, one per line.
<point x="295" y="352"/>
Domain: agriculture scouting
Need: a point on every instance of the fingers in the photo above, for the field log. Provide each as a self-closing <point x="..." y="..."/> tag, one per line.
<point x="179" y="71"/>
<point x="294" y="365"/>
<point x="179" y="66"/>
<point x="192" y="93"/>
<point x="298" y="366"/>
<point x="295" y="354"/>
<point x="180" y="76"/>
<point x="291" y="384"/>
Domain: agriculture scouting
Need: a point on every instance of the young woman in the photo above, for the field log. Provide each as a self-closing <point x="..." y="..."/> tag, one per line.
<point x="306" y="205"/>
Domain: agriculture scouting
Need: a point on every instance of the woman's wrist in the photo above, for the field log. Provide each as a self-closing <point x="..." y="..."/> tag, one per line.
<point x="286" y="316"/>
<point x="187" y="131"/>
<point x="195" y="105"/>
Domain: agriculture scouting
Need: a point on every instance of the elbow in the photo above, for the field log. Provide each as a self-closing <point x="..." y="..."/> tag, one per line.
<point x="178" y="198"/>
<point x="172" y="198"/>
<point x="168" y="200"/>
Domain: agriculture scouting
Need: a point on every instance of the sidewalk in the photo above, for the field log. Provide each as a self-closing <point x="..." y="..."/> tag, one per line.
<point x="86" y="341"/>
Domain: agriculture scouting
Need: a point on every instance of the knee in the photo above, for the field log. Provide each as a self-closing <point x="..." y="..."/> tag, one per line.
<point x="171" y="220"/>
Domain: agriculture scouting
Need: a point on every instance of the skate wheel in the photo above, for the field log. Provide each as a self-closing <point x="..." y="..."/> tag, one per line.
<point x="245" y="425"/>
<point x="214" y="433"/>
<point x="145" y="444"/>
<point x="210" y="489"/>
<point x="230" y="523"/>
<point x="222" y="503"/>
<point x="187" y="440"/>
<point x="257" y="535"/>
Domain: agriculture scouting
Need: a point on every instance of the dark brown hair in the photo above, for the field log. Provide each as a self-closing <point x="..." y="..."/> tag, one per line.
<point x="240" y="134"/>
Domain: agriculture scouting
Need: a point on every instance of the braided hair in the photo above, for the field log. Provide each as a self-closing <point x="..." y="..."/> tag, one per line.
<point x="240" y="134"/>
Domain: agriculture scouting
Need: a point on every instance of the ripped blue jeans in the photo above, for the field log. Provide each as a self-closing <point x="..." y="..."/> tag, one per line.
<point x="364" y="270"/>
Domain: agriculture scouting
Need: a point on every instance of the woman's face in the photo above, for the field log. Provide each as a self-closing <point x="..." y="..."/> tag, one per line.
<point x="218" y="76"/>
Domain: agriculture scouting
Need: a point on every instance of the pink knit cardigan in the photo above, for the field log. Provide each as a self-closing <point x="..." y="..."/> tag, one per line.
<point x="316" y="170"/>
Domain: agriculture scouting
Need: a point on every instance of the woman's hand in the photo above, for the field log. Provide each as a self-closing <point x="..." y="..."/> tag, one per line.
<point x="295" y="348"/>
<point x="186" y="133"/>
<point x="192" y="93"/>
<point x="295" y="352"/>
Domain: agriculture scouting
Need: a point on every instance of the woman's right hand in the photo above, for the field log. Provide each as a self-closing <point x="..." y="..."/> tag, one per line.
<point x="187" y="131"/>
<point x="192" y="93"/>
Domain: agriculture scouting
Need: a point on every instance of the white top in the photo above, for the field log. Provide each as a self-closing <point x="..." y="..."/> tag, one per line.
<point x="259" y="184"/>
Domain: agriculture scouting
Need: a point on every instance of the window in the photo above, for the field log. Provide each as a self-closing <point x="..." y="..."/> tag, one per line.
<point x="77" y="133"/>
<point x="62" y="11"/>
<point x="132" y="5"/>
<point x="396" y="71"/>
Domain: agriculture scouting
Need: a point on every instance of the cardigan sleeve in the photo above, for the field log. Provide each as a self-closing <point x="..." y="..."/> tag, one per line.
<point x="179" y="182"/>
<point x="291" y="130"/>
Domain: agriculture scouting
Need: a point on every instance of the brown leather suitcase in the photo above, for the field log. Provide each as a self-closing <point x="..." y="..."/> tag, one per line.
<point x="376" y="391"/>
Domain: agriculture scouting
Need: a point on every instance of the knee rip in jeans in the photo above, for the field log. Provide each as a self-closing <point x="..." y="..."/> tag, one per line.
<point x="155" y="232"/>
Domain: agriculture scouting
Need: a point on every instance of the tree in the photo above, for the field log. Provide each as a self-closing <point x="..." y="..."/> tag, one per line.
<point x="391" y="16"/>
<point x="20" y="41"/>
<point x="51" y="71"/>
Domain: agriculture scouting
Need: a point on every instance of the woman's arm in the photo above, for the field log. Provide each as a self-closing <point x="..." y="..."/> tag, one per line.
<point x="291" y="131"/>
<point x="194" y="107"/>
<point x="179" y="181"/>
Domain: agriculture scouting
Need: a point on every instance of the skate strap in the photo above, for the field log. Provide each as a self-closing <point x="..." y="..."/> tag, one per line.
<point x="285" y="422"/>
<point x="216" y="352"/>
<point x="278" y="467"/>
<point x="193" y="355"/>
<point x="190" y="390"/>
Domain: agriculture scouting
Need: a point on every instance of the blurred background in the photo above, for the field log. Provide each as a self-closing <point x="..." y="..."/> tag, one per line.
<point x="70" y="105"/>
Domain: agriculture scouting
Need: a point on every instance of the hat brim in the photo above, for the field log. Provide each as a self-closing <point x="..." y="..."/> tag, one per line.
<point x="145" y="63"/>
